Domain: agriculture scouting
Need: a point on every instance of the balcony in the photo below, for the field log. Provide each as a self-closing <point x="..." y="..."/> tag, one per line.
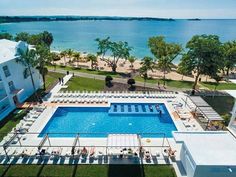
<point x="3" y="98"/>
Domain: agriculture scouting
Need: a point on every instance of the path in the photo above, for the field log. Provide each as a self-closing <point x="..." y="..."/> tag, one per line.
<point x="115" y="79"/>
<point x="57" y="88"/>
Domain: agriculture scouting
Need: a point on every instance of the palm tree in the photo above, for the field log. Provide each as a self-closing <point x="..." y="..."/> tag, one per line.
<point x="132" y="59"/>
<point x="43" y="58"/>
<point x="93" y="59"/>
<point x="147" y="64"/>
<point x="76" y="57"/>
<point x="63" y="54"/>
<point x="28" y="59"/>
<point x="69" y="53"/>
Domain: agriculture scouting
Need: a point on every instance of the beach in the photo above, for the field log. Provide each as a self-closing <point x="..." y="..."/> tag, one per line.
<point x="124" y="66"/>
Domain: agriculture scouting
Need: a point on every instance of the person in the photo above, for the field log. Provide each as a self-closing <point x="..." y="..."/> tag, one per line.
<point x="150" y="107"/>
<point x="158" y="84"/>
<point x="157" y="106"/>
<point x="62" y="81"/>
<point x="73" y="151"/>
<point x="67" y="72"/>
<point x="59" y="79"/>
<point x="160" y="112"/>
<point x="84" y="151"/>
<point x="171" y="152"/>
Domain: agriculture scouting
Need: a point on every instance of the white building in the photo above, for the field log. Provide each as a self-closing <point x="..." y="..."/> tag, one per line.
<point x="232" y="123"/>
<point x="15" y="81"/>
<point x="207" y="154"/>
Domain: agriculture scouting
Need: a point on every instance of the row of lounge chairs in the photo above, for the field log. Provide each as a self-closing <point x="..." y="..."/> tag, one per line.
<point x="87" y="153"/>
<point x="77" y="100"/>
<point x="24" y="125"/>
<point x="112" y="95"/>
<point x="52" y="152"/>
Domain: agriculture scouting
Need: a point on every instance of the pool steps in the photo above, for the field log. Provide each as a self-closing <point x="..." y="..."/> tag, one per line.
<point x="135" y="109"/>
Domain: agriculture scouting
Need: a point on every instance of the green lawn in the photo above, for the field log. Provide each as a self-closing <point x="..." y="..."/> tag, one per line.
<point x="170" y="83"/>
<point x="222" y="104"/>
<point x="89" y="71"/>
<point x="9" y="122"/>
<point x="221" y="86"/>
<point x="52" y="78"/>
<point x="89" y="171"/>
<point x="81" y="83"/>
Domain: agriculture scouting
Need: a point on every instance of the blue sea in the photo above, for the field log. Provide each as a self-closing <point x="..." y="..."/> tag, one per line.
<point x="80" y="35"/>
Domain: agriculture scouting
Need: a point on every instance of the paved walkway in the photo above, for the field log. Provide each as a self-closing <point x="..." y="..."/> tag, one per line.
<point x="115" y="79"/>
<point x="57" y="88"/>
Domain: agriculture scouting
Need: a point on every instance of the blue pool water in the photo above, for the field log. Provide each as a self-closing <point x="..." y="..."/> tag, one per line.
<point x="119" y="118"/>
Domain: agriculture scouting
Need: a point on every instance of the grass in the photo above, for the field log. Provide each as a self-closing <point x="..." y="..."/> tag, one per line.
<point x="57" y="170"/>
<point x="10" y="122"/>
<point x="52" y="78"/>
<point x="23" y="171"/>
<point x="221" y="86"/>
<point x="170" y="83"/>
<point x="221" y="104"/>
<point x="88" y="71"/>
<point x="89" y="171"/>
<point x="81" y="83"/>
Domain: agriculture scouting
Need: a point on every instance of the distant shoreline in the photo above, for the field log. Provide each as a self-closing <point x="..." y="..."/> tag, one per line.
<point x="15" y="19"/>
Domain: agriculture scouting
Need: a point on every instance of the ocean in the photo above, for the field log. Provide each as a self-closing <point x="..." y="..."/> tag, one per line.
<point x="81" y="35"/>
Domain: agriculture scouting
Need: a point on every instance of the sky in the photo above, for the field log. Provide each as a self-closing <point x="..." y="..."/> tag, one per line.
<point x="138" y="8"/>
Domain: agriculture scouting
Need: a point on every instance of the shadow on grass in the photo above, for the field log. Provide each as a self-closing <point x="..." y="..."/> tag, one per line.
<point x="125" y="171"/>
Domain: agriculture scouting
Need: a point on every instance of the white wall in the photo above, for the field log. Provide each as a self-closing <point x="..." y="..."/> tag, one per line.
<point x="187" y="161"/>
<point x="17" y="76"/>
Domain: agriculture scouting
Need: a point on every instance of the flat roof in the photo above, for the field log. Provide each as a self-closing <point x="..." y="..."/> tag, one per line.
<point x="209" y="148"/>
<point x="206" y="109"/>
<point x="8" y="49"/>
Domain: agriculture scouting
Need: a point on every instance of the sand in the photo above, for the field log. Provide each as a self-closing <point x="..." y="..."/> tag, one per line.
<point x="124" y="67"/>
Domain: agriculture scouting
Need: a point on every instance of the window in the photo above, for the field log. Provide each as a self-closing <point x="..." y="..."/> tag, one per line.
<point x="11" y="86"/>
<point x="6" y="71"/>
<point x="26" y="73"/>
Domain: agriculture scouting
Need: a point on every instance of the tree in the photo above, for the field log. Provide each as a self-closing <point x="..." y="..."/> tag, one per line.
<point x="76" y="57"/>
<point x="183" y="68"/>
<point x="69" y="54"/>
<point x="108" y="80"/>
<point x="6" y="36"/>
<point x="119" y="50"/>
<point x="63" y="54"/>
<point x="46" y="38"/>
<point x="217" y="78"/>
<point x="204" y="53"/>
<point x="28" y="58"/>
<point x="23" y="36"/>
<point x="93" y="59"/>
<point x="147" y="64"/>
<point x="43" y="58"/>
<point x="164" y="53"/>
<point x="103" y="46"/>
<point x="131" y="82"/>
<point x="131" y="59"/>
<point x="229" y="49"/>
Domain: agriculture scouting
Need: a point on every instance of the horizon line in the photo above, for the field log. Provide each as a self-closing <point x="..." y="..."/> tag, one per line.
<point x="191" y="18"/>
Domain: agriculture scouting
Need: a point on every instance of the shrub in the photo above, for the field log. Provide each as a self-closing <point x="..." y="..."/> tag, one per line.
<point x="108" y="80"/>
<point x="131" y="82"/>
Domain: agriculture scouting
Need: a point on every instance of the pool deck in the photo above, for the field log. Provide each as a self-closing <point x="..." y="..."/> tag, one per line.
<point x="154" y="145"/>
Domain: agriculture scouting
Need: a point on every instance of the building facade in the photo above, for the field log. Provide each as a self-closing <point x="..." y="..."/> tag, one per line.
<point x="15" y="81"/>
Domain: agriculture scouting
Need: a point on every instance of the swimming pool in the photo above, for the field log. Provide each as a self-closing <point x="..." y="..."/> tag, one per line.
<point x="146" y="119"/>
